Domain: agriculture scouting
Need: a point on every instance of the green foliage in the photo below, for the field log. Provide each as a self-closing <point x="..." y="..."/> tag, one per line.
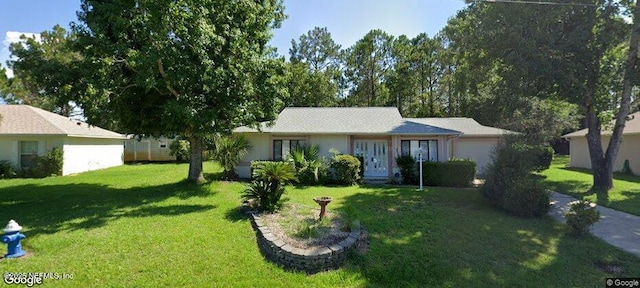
<point x="267" y="187"/>
<point x="184" y="68"/>
<point x="180" y="149"/>
<point x="509" y="182"/>
<point x="407" y="167"/>
<point x="51" y="163"/>
<point x="453" y="173"/>
<point x="7" y="170"/>
<point x="310" y="167"/>
<point x="543" y="157"/>
<point x="346" y="169"/>
<point x="228" y="151"/>
<point x="626" y="169"/>
<point x="581" y="216"/>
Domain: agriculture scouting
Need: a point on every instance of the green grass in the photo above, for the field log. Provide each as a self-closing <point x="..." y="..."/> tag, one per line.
<point x="625" y="196"/>
<point x="142" y="226"/>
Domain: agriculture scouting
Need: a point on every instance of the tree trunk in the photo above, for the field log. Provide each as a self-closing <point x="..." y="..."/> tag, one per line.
<point x="195" y="164"/>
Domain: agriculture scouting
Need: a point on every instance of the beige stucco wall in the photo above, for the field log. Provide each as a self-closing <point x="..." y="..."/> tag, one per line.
<point x="630" y="149"/>
<point x="10" y="148"/>
<point x="86" y="154"/>
<point x="327" y="142"/>
<point x="475" y="148"/>
<point x="260" y="151"/>
<point x="148" y="149"/>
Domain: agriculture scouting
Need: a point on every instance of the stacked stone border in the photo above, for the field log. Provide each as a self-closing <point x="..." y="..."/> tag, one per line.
<point x="312" y="260"/>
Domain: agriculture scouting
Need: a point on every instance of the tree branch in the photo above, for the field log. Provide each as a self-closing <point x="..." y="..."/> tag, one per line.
<point x="164" y="75"/>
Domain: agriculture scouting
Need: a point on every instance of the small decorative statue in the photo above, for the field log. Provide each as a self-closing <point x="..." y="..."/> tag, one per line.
<point x="12" y="237"/>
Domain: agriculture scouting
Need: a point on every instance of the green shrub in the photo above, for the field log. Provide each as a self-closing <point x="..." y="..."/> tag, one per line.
<point x="228" y="151"/>
<point x="626" y="168"/>
<point x="453" y="173"/>
<point x="407" y="167"/>
<point x="543" y="157"/>
<point x="7" y="170"/>
<point x="51" y="163"/>
<point x="267" y="187"/>
<point x="310" y="167"/>
<point x="346" y="169"/>
<point x="526" y="197"/>
<point x="509" y="182"/>
<point x="581" y="216"/>
<point x="180" y="148"/>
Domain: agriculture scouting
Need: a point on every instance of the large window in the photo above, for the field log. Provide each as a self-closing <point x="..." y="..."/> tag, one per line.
<point x="281" y="148"/>
<point x="28" y="153"/>
<point x="429" y="146"/>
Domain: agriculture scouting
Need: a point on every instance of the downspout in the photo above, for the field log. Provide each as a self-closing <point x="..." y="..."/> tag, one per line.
<point x="450" y="145"/>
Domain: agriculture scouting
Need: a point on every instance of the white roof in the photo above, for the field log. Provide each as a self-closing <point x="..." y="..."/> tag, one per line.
<point x="631" y="127"/>
<point x="28" y="120"/>
<point x="366" y="120"/>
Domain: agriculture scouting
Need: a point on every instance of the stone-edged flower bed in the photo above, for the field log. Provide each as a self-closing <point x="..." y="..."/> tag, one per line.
<point x="312" y="259"/>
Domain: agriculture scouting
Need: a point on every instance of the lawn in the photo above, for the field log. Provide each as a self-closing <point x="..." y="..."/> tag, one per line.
<point x="625" y="196"/>
<point x="142" y="226"/>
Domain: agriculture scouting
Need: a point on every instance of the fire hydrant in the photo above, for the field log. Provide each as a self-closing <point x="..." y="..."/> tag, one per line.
<point x="12" y="237"/>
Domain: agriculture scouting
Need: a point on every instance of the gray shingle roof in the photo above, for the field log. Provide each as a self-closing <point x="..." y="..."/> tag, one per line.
<point x="28" y="120"/>
<point x="468" y="126"/>
<point x="368" y="120"/>
<point x="631" y="127"/>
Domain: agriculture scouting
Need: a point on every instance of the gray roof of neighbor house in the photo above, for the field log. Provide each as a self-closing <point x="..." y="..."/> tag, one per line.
<point x="631" y="127"/>
<point x="468" y="126"/>
<point x="28" y="120"/>
<point x="357" y="120"/>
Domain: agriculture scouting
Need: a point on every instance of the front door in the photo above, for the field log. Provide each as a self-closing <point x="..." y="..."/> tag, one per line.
<point x="374" y="152"/>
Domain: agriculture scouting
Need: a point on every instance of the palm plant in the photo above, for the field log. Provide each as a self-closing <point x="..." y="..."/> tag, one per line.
<point x="307" y="162"/>
<point x="268" y="187"/>
<point x="228" y="151"/>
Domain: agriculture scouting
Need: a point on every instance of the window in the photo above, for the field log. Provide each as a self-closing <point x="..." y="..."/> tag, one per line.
<point x="295" y="143"/>
<point x="163" y="144"/>
<point x="405" y="147"/>
<point x="431" y="146"/>
<point x="277" y="150"/>
<point x="28" y="153"/>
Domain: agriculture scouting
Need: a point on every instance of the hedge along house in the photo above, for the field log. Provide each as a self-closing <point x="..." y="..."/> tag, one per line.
<point x="629" y="149"/>
<point x="378" y="134"/>
<point x="27" y="131"/>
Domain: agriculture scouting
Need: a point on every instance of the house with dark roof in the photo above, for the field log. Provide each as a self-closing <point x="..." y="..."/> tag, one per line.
<point x="378" y="134"/>
<point x="629" y="149"/>
<point x="26" y="131"/>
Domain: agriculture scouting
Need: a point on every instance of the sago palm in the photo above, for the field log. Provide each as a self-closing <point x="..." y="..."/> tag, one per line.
<point x="229" y="150"/>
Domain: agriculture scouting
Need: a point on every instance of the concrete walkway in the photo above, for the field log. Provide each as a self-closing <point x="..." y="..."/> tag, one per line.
<point x="617" y="228"/>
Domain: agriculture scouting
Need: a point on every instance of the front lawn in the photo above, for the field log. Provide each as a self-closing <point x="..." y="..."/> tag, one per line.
<point x="141" y="226"/>
<point x="625" y="196"/>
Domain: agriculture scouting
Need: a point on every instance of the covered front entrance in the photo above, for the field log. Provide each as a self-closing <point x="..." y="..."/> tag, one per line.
<point x="375" y="155"/>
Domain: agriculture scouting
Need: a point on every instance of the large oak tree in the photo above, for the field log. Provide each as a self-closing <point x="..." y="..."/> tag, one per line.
<point x="184" y="67"/>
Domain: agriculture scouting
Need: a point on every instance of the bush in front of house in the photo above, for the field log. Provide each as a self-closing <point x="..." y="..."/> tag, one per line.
<point x="453" y="173"/>
<point x="509" y="182"/>
<point x="407" y="166"/>
<point x="267" y="187"/>
<point x="7" y="171"/>
<point x="346" y="169"/>
<point x="50" y="164"/>
<point x="543" y="157"/>
<point x="228" y="150"/>
<point x="180" y="149"/>
<point x="311" y="169"/>
<point x="581" y="216"/>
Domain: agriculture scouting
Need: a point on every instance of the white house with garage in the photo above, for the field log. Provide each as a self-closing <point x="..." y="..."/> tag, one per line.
<point x="26" y="131"/>
<point x="378" y="134"/>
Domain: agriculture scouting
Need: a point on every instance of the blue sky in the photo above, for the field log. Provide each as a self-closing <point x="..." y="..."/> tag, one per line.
<point x="347" y="20"/>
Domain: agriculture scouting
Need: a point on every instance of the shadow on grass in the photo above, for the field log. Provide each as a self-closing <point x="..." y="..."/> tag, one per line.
<point x="452" y="237"/>
<point x="236" y="215"/>
<point x="48" y="209"/>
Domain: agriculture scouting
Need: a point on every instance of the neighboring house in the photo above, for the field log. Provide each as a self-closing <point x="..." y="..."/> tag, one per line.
<point x="379" y="134"/>
<point x="148" y="149"/>
<point x="629" y="149"/>
<point x="27" y="131"/>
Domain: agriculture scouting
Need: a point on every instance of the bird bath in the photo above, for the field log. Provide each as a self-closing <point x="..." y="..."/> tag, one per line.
<point x="323" y="202"/>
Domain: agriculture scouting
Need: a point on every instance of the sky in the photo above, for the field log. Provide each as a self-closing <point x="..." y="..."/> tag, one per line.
<point x="347" y="20"/>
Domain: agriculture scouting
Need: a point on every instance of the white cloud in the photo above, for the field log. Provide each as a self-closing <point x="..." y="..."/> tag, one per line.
<point x="12" y="37"/>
